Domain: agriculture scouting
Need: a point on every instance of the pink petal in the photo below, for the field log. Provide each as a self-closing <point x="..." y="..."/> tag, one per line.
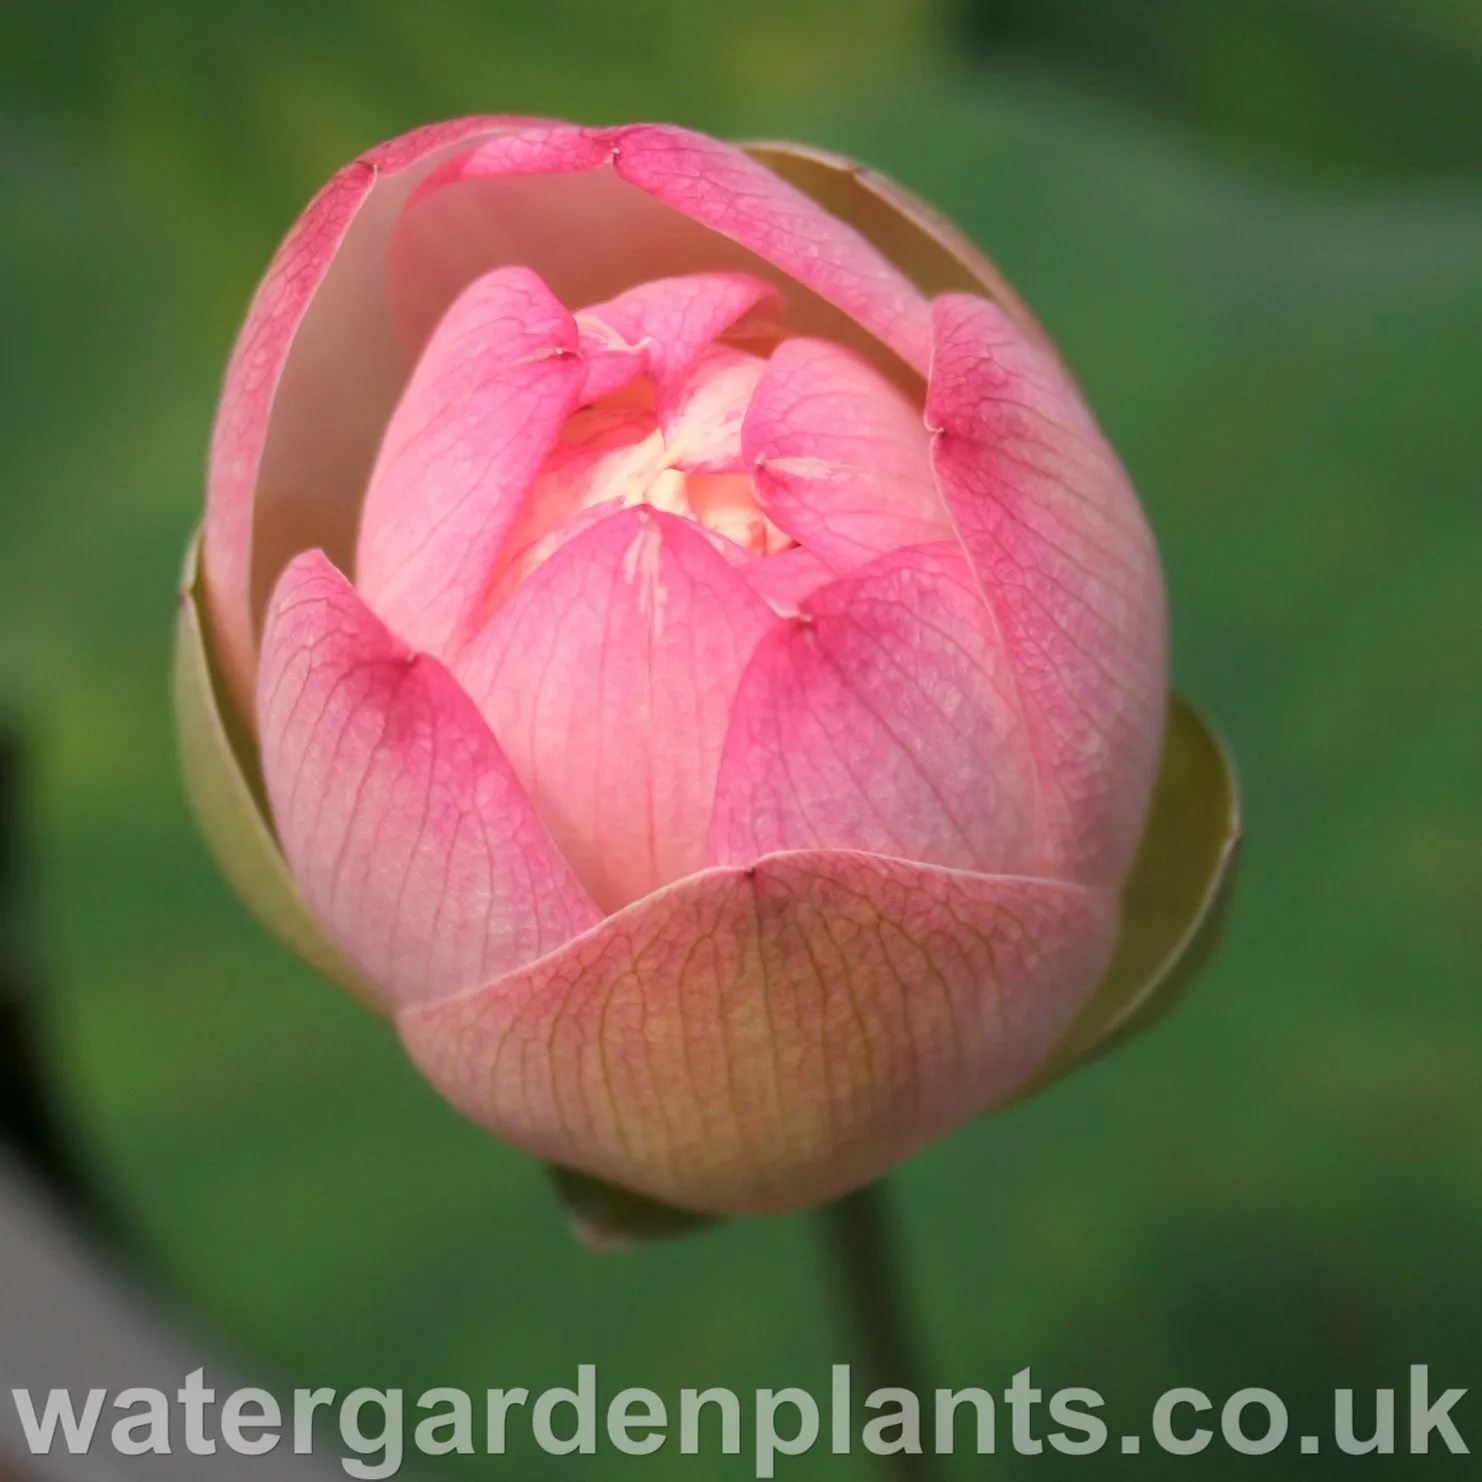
<point x="546" y="147"/>
<point x="608" y="677"/>
<point x="598" y="211"/>
<point x="760" y="1039"/>
<point x="414" y="845"/>
<point x="719" y="185"/>
<point x="1063" y="554"/>
<point x="840" y="459"/>
<point x="483" y="410"/>
<point x="453" y="231"/>
<point x="881" y="719"/>
<point x="660" y="329"/>
<point x="928" y="248"/>
<point x="318" y="331"/>
<point x="786" y="580"/>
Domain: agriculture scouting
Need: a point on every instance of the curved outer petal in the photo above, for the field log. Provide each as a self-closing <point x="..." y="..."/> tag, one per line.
<point x="481" y="413"/>
<point x="410" y="837"/>
<point x="882" y="719"/>
<point x="315" y="357"/>
<point x="511" y="201"/>
<point x="661" y="328"/>
<point x="720" y="186"/>
<point x="1065" y="560"/>
<point x="215" y="765"/>
<point x="608" y="677"/>
<point x="666" y="202"/>
<point x="839" y="458"/>
<point x="918" y="240"/>
<point x="753" y="1040"/>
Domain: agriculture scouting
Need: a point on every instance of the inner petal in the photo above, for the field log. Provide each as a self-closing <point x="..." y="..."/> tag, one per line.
<point x="673" y="447"/>
<point x="661" y="328"/>
<point x="482" y="414"/>
<point x="842" y="461"/>
<point x="609" y="678"/>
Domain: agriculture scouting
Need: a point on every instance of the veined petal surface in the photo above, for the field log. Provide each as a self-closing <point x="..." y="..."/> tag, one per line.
<point x="478" y="419"/>
<point x="1067" y="566"/>
<point x="759" y="1039"/>
<point x="880" y="719"/>
<point x="841" y="460"/>
<point x="608" y="677"/>
<point x="408" y="833"/>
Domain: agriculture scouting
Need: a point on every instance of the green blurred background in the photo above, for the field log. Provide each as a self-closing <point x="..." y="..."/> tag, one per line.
<point x="1256" y="230"/>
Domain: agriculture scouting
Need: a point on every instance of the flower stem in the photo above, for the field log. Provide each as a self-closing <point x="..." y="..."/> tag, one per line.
<point x="866" y="1268"/>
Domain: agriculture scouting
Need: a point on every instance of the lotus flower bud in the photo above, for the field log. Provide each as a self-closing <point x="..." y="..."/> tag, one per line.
<point x="670" y="634"/>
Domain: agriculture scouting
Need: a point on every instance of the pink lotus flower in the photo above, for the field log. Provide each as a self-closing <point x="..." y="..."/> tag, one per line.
<point x="671" y="635"/>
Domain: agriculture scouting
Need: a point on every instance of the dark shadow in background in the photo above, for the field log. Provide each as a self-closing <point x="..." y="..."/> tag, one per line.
<point x="31" y="1119"/>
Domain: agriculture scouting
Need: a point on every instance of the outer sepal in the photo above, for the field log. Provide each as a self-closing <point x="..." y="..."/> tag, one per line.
<point x="608" y="1218"/>
<point x="1175" y="901"/>
<point x="218" y="760"/>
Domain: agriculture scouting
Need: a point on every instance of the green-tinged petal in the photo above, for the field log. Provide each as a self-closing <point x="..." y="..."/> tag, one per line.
<point x="607" y="1218"/>
<point x="1175" y="903"/>
<point x="214" y="757"/>
<point x="761" y="1038"/>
